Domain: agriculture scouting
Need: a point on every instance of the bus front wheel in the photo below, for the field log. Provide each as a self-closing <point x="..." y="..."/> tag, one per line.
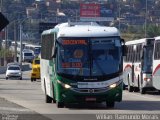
<point x="60" y="104"/>
<point x="48" y="99"/>
<point x="130" y="88"/>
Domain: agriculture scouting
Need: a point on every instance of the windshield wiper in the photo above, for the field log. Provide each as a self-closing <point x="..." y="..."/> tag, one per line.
<point x="100" y="68"/>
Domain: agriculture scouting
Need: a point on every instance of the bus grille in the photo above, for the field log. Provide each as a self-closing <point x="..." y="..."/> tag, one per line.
<point x="92" y="90"/>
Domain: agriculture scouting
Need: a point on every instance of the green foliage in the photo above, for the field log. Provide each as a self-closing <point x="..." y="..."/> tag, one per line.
<point x="153" y="30"/>
<point x="7" y="52"/>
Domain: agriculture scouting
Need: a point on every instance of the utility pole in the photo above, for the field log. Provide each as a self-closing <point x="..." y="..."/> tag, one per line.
<point x="15" y="39"/>
<point x="20" y="27"/>
<point x="1" y="5"/>
<point x="119" y="9"/>
<point x="146" y="19"/>
<point x="1" y="35"/>
<point x="5" y="53"/>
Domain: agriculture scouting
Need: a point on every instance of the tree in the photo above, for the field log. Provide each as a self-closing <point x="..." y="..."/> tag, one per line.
<point x="153" y="30"/>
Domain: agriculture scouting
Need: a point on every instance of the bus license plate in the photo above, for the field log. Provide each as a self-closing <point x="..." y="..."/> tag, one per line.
<point x="90" y="99"/>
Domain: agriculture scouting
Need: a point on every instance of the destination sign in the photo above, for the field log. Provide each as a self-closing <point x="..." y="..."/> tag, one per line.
<point x="74" y="42"/>
<point x="72" y="65"/>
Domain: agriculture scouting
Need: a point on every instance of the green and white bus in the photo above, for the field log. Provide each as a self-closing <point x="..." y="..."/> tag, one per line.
<point x="81" y="63"/>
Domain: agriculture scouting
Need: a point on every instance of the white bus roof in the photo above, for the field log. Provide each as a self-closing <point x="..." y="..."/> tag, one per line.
<point x="143" y="40"/>
<point x="27" y="51"/>
<point x="157" y="38"/>
<point x="84" y="30"/>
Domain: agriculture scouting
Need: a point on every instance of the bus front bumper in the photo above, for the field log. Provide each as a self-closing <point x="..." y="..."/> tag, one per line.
<point x="70" y="95"/>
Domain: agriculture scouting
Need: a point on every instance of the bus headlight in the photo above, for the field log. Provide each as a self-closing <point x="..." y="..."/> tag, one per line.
<point x="67" y="86"/>
<point x="113" y="85"/>
<point x="64" y="85"/>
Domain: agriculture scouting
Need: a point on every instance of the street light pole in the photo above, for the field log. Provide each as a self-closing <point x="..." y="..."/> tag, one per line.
<point x="15" y="39"/>
<point x="20" y="27"/>
<point x="1" y="5"/>
<point x="119" y="16"/>
<point x="20" y="37"/>
<point x="5" y="53"/>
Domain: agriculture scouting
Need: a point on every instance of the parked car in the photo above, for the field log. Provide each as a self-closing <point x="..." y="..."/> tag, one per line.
<point x="13" y="71"/>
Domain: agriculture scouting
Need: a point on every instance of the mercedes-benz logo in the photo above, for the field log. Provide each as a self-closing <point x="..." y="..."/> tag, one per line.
<point x="91" y="90"/>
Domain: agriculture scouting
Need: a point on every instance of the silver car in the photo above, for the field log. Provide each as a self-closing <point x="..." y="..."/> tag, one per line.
<point x="13" y="71"/>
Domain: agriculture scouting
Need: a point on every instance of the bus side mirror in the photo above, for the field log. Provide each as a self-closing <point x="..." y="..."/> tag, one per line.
<point x="124" y="50"/>
<point x="123" y="42"/>
<point x="54" y="52"/>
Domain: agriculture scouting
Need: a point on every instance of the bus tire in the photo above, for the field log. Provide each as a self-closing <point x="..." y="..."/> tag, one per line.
<point x="60" y="104"/>
<point x="124" y="86"/>
<point x="142" y="90"/>
<point x="110" y="104"/>
<point x="130" y="88"/>
<point x="34" y="79"/>
<point x="31" y="79"/>
<point x="136" y="89"/>
<point x="54" y="100"/>
<point x="48" y="99"/>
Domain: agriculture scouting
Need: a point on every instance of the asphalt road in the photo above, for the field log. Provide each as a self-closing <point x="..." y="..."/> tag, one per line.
<point x="29" y="98"/>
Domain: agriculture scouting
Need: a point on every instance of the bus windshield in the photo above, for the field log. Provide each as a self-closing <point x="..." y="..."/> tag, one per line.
<point x="147" y="61"/>
<point x="28" y="54"/>
<point x="106" y="54"/>
<point x="37" y="50"/>
<point x="89" y="56"/>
